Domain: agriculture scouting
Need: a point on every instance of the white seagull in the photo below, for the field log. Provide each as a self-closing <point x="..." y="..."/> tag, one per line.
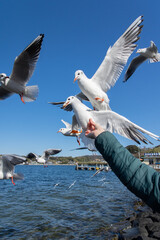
<point x="109" y="120"/>
<point x="150" y="53"/>
<point x="7" y="164"/>
<point x="72" y="130"/>
<point x="22" y="71"/>
<point x="45" y="156"/>
<point x="110" y="69"/>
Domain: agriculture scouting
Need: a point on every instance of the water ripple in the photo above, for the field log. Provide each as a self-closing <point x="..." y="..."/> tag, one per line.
<point x="35" y="209"/>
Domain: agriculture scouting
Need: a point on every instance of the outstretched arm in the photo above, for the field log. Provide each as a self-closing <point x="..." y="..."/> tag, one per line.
<point x="138" y="177"/>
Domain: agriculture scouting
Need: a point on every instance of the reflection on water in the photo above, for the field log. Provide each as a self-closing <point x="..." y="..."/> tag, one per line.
<point x="59" y="202"/>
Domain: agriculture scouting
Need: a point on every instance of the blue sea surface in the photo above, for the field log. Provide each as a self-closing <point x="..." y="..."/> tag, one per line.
<point x="58" y="202"/>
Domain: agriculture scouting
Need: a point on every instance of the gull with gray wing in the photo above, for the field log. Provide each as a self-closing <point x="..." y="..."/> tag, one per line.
<point x="45" y="156"/>
<point x="7" y="164"/>
<point x="150" y="53"/>
<point x="110" y="69"/>
<point x="22" y="71"/>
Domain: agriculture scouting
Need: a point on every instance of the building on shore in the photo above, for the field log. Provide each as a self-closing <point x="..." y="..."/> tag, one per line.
<point x="152" y="159"/>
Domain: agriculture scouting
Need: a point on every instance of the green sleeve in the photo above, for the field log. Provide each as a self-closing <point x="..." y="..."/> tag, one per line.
<point x="138" y="177"/>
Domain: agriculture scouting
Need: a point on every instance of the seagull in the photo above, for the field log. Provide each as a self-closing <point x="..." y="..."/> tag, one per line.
<point x="22" y="71"/>
<point x="7" y="164"/>
<point x="109" y="121"/>
<point x="150" y="53"/>
<point x="72" y="184"/>
<point x="110" y="69"/>
<point x="45" y="156"/>
<point x="72" y="130"/>
<point x="56" y="185"/>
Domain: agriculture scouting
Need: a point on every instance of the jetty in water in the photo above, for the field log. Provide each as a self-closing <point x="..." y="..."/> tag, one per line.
<point x="87" y="167"/>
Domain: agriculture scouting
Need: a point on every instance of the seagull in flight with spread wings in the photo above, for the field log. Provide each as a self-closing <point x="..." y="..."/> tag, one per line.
<point x="150" y="53"/>
<point x="110" y="69"/>
<point x="108" y="120"/>
<point x="22" y="71"/>
<point x="45" y="156"/>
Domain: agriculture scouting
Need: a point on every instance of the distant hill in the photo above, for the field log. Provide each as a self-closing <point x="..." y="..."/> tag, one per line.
<point x="98" y="159"/>
<point x="139" y="152"/>
<point x="87" y="159"/>
<point x="156" y="149"/>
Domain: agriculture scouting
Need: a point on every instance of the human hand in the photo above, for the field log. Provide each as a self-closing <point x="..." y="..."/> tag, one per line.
<point x="93" y="129"/>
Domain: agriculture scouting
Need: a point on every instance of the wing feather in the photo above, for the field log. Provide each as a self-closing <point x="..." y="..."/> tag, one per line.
<point x="133" y="66"/>
<point x="25" y="63"/>
<point x="13" y="159"/>
<point x="117" y="56"/>
<point x="4" y="93"/>
<point x="49" y="152"/>
<point x="113" y="122"/>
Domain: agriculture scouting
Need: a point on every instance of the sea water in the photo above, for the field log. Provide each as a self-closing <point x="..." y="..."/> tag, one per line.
<point x="58" y="202"/>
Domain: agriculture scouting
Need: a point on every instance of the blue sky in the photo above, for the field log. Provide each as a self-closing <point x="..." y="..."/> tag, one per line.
<point x="77" y="36"/>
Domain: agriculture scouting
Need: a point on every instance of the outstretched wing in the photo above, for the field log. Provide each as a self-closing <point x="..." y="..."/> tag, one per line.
<point x="13" y="159"/>
<point x="25" y="63"/>
<point x="60" y="104"/>
<point x="80" y="96"/>
<point x="4" y="93"/>
<point x="68" y="125"/>
<point x="49" y="152"/>
<point x="117" y="56"/>
<point x="113" y="122"/>
<point x="154" y="47"/>
<point x="32" y="155"/>
<point x="133" y="66"/>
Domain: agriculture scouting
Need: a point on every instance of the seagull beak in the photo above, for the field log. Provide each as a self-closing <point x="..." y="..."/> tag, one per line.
<point x="75" y="79"/>
<point x="58" y="131"/>
<point x="65" y="104"/>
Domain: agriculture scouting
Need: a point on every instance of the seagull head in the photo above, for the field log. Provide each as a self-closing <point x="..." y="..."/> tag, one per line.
<point x="62" y="130"/>
<point x="141" y="50"/>
<point x="68" y="101"/>
<point x="3" y="78"/>
<point x="78" y="75"/>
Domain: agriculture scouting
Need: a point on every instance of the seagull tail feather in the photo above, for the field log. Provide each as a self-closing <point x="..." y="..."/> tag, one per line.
<point x="31" y="93"/>
<point x="18" y="176"/>
<point x="155" y="59"/>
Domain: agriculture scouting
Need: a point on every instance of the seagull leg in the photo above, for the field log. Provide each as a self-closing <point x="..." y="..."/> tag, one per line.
<point x="12" y="180"/>
<point x="78" y="140"/>
<point x="21" y="96"/>
<point x="99" y="99"/>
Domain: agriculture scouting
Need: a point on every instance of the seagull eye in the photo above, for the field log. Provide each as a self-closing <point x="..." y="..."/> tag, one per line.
<point x="78" y="74"/>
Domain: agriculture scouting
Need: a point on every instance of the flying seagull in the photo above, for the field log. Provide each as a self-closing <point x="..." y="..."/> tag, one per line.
<point x="150" y="53"/>
<point x="45" y="156"/>
<point x="22" y="71"/>
<point x="110" y="69"/>
<point x="109" y="120"/>
<point x="7" y="164"/>
<point x="72" y="130"/>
